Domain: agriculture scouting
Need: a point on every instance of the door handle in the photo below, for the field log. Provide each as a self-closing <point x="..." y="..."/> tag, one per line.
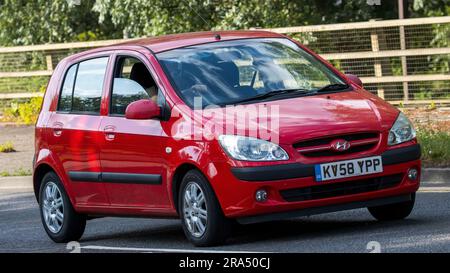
<point x="57" y="129"/>
<point x="109" y="131"/>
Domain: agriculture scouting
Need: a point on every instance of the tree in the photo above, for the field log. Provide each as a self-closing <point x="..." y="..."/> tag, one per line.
<point x="40" y="21"/>
<point x="148" y="18"/>
<point x="136" y="18"/>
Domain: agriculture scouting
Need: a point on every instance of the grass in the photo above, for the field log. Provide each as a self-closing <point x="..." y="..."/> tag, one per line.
<point x="435" y="148"/>
<point x="18" y="172"/>
<point x="7" y="147"/>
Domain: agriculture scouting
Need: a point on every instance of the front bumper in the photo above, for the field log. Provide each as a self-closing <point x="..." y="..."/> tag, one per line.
<point x="295" y="170"/>
<point x="236" y="188"/>
<point x="324" y="209"/>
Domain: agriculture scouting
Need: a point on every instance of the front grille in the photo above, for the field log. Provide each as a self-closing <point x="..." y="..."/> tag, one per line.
<point x="341" y="188"/>
<point x="320" y="147"/>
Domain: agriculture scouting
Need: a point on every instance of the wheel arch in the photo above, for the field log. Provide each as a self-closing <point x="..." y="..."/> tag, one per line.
<point x="179" y="173"/>
<point x="45" y="161"/>
<point x="38" y="175"/>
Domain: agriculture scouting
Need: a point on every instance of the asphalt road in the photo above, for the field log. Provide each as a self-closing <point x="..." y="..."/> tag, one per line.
<point x="426" y="230"/>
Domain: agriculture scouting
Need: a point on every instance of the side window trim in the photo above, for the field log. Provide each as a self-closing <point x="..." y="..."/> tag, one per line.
<point x="73" y="87"/>
<point x="58" y="110"/>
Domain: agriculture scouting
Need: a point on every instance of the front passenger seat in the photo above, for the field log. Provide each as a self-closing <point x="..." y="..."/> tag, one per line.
<point x="140" y="74"/>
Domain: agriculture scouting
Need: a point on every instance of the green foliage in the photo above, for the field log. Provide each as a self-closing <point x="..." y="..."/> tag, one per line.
<point x="25" y="22"/>
<point x="26" y="112"/>
<point x="18" y="172"/>
<point x="22" y="84"/>
<point x="40" y="21"/>
<point x="441" y="32"/>
<point x="7" y="147"/>
<point x="435" y="147"/>
<point x="423" y="95"/>
<point x="142" y="18"/>
<point x="432" y="106"/>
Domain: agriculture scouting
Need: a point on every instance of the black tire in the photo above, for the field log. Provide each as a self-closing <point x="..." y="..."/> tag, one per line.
<point x="393" y="211"/>
<point x="218" y="227"/>
<point x="73" y="223"/>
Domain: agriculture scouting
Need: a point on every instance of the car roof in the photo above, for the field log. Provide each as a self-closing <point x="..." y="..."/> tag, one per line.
<point x="168" y="42"/>
<point x="172" y="41"/>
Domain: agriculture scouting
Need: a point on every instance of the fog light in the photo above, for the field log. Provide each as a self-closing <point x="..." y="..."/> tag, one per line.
<point x="261" y="195"/>
<point x="412" y="174"/>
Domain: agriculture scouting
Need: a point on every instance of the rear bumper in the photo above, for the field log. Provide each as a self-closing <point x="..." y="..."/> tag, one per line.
<point x="236" y="187"/>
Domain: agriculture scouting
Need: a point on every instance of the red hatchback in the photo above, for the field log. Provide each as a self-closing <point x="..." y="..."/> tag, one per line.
<point x="216" y="128"/>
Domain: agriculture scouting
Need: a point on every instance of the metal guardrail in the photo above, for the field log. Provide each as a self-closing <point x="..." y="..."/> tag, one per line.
<point x="372" y="50"/>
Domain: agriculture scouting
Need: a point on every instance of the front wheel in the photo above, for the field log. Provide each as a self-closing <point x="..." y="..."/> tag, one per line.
<point x="201" y="215"/>
<point x="61" y="222"/>
<point x="393" y="211"/>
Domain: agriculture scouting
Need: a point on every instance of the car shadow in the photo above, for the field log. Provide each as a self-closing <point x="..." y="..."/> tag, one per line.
<point x="146" y="230"/>
<point x="171" y="234"/>
<point x="312" y="228"/>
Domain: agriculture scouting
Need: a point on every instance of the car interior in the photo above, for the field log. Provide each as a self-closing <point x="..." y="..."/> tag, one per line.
<point x="132" y="82"/>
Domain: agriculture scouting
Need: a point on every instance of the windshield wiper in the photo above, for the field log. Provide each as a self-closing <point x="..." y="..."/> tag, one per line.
<point x="333" y="87"/>
<point x="272" y="94"/>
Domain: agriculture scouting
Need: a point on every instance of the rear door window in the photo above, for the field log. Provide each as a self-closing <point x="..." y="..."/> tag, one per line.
<point x="65" y="99"/>
<point x="87" y="93"/>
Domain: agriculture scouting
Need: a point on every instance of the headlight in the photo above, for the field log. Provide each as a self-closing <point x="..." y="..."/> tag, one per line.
<point x="251" y="149"/>
<point x="401" y="131"/>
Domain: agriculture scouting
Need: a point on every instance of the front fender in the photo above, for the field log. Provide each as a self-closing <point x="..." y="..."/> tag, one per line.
<point x="199" y="155"/>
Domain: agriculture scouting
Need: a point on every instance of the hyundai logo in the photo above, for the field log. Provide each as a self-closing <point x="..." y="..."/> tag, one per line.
<point x="340" y="145"/>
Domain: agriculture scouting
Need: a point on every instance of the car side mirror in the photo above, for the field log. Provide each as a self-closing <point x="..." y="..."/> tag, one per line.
<point x="355" y="79"/>
<point x="142" y="109"/>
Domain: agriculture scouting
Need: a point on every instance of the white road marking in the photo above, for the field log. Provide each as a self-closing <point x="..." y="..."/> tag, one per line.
<point x="425" y="183"/>
<point x="16" y="188"/>
<point x="163" y="250"/>
<point x="434" y="189"/>
<point x="419" y="241"/>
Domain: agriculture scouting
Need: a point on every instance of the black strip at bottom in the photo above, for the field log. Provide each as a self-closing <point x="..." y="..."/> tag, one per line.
<point x="324" y="209"/>
<point x="85" y="176"/>
<point x="132" y="178"/>
<point x="106" y="177"/>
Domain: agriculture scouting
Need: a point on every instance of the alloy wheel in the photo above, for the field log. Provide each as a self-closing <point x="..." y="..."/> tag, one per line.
<point x="195" y="209"/>
<point x="53" y="207"/>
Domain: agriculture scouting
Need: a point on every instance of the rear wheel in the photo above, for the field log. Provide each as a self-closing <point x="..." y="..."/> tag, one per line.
<point x="391" y="212"/>
<point x="60" y="220"/>
<point x="201" y="215"/>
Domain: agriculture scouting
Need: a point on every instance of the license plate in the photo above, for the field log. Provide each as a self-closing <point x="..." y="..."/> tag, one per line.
<point x="348" y="168"/>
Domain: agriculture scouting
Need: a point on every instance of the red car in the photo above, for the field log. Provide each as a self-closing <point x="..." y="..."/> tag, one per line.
<point x="216" y="128"/>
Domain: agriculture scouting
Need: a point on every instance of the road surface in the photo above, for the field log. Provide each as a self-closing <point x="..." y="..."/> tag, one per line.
<point x="426" y="230"/>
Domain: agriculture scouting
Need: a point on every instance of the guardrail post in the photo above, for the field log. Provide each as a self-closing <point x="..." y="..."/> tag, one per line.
<point x="403" y="47"/>
<point x="49" y="62"/>
<point x="377" y="63"/>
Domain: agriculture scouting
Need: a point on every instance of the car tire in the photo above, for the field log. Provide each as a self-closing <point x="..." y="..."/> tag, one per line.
<point x="61" y="222"/>
<point x="196" y="213"/>
<point x="392" y="212"/>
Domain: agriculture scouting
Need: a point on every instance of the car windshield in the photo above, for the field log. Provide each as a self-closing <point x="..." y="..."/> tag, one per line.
<point x="244" y="70"/>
